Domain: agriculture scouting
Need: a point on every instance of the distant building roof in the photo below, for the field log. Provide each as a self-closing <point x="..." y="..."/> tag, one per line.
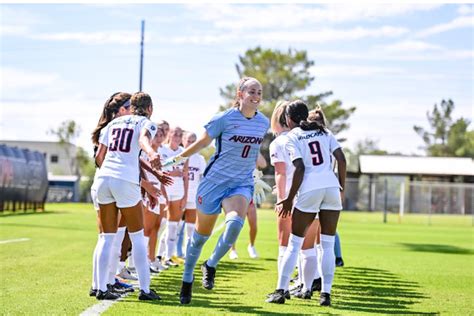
<point x="407" y="165"/>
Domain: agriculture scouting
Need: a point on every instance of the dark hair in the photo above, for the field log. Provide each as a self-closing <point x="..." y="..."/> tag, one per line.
<point x="140" y="102"/>
<point x="298" y="113"/>
<point x="111" y="108"/>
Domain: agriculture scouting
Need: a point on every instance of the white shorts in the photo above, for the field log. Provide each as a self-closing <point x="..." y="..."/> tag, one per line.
<point x="319" y="199"/>
<point x="175" y="192"/>
<point x="123" y="193"/>
<point x="161" y="200"/>
<point x="94" y="198"/>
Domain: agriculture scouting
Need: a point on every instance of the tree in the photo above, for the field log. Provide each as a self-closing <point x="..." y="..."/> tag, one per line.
<point x="67" y="133"/>
<point x="284" y="76"/>
<point x="446" y="138"/>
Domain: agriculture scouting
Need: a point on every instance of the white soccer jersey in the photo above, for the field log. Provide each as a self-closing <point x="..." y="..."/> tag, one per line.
<point x="121" y="138"/>
<point x="278" y="153"/>
<point x="197" y="165"/>
<point x="315" y="149"/>
<point x="166" y="152"/>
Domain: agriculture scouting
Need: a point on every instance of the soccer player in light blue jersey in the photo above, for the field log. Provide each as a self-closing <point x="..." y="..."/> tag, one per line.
<point x="227" y="182"/>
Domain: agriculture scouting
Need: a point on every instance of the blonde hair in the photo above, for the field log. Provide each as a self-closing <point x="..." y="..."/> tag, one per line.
<point x="278" y="116"/>
<point x="317" y="115"/>
<point x="243" y="83"/>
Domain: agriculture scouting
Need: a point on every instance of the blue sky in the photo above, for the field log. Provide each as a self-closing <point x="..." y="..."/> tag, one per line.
<point x="393" y="62"/>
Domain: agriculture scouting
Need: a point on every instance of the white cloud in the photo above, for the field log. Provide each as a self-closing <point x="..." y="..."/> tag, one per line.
<point x="466" y="9"/>
<point x="411" y="46"/>
<point x="353" y="70"/>
<point x="15" y="80"/>
<point x="459" y="22"/>
<point x="109" y="37"/>
<point x="380" y="53"/>
<point x="240" y="17"/>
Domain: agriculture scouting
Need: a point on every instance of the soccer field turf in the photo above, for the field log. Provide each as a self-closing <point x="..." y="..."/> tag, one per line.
<point x="407" y="268"/>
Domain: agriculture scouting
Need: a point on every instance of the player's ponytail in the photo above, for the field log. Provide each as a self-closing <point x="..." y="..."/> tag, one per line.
<point x="111" y="108"/>
<point x="140" y="102"/>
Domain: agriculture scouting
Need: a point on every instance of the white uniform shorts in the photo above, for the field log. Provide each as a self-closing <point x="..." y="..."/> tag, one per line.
<point x="161" y="200"/>
<point x="175" y="192"/>
<point x="123" y="193"/>
<point x="191" y="202"/>
<point x="319" y="199"/>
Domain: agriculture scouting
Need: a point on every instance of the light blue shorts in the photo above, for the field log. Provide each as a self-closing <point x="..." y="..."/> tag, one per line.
<point x="210" y="195"/>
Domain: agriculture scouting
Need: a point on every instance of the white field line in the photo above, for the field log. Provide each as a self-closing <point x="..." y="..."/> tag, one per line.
<point x="13" y="240"/>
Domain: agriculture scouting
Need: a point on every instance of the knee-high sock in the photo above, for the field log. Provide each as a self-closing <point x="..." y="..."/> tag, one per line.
<point x="281" y="253"/>
<point x="300" y="269"/>
<point x="289" y="261"/>
<point x="103" y="259"/>
<point x="179" y="240"/>
<point x="308" y="266"/>
<point x="328" y="262"/>
<point x="337" y="247"/>
<point x="317" y="271"/>
<point x="147" y="243"/>
<point x="115" y="254"/>
<point x="161" y="236"/>
<point x="189" y="232"/>
<point x="95" y="283"/>
<point x="192" y="255"/>
<point x="232" y="230"/>
<point x="140" y="259"/>
<point x="171" y="236"/>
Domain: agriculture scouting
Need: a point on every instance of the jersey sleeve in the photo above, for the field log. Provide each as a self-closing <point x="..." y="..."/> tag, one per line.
<point x="276" y="153"/>
<point x="293" y="149"/>
<point x="150" y="127"/>
<point x="333" y="143"/>
<point x="216" y="125"/>
<point x="104" y="136"/>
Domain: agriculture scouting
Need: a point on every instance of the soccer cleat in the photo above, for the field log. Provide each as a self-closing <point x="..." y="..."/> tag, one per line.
<point x="208" y="276"/>
<point x="170" y="263"/>
<point x="157" y="265"/>
<point x="127" y="275"/>
<point x="287" y="295"/>
<point x="177" y="260"/>
<point x="339" y="262"/>
<point x="316" y="286"/>
<point x="117" y="290"/>
<point x="325" y="299"/>
<point x="233" y="254"/>
<point x="151" y="296"/>
<point x="277" y="297"/>
<point x="127" y="288"/>
<point x="92" y="292"/>
<point x="107" y="295"/>
<point x="252" y="252"/>
<point x="153" y="269"/>
<point x="186" y="292"/>
<point x="296" y="288"/>
<point x="304" y="294"/>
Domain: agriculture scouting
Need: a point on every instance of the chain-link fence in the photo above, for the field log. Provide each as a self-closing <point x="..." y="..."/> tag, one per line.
<point x="397" y="194"/>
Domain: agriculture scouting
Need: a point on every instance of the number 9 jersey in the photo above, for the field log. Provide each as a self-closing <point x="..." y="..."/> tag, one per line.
<point x="315" y="148"/>
<point x="123" y="150"/>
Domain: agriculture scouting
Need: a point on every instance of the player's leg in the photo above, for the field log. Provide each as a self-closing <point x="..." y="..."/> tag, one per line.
<point x="189" y="225"/>
<point x="308" y="260"/>
<point x="338" y="251"/>
<point x="252" y="219"/>
<point x="174" y="216"/>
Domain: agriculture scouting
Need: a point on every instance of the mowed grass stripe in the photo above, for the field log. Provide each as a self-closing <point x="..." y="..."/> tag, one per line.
<point x="407" y="268"/>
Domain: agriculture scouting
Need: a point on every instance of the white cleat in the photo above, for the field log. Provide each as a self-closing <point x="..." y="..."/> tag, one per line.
<point x="158" y="266"/>
<point x="233" y="254"/>
<point x="127" y="275"/>
<point x="252" y="252"/>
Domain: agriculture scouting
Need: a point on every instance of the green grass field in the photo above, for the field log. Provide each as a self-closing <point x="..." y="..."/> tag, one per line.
<point x="407" y="268"/>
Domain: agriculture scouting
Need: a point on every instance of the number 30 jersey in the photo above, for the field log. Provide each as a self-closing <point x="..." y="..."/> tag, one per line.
<point x="238" y="141"/>
<point x="121" y="138"/>
<point x="315" y="148"/>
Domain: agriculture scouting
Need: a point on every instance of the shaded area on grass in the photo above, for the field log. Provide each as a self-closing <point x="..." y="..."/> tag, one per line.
<point x="438" y="248"/>
<point x="29" y="212"/>
<point x="375" y="291"/>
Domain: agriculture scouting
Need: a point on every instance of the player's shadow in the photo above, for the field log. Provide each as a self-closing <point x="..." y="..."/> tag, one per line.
<point x="375" y="291"/>
<point x="28" y="212"/>
<point x="438" y="248"/>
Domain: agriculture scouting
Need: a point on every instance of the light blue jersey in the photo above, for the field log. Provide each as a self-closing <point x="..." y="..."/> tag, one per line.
<point x="238" y="141"/>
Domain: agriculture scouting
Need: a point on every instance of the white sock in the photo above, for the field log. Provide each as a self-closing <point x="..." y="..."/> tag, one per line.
<point x="141" y="260"/>
<point x="121" y="265"/>
<point x="317" y="271"/>
<point x="161" y="236"/>
<point x="289" y="261"/>
<point x="281" y="252"/>
<point x="189" y="233"/>
<point x="328" y="262"/>
<point x="308" y="265"/>
<point x="115" y="254"/>
<point x="171" y="239"/>
<point x="95" y="284"/>
<point x="103" y="259"/>
<point x="131" y="262"/>
<point x="300" y="269"/>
